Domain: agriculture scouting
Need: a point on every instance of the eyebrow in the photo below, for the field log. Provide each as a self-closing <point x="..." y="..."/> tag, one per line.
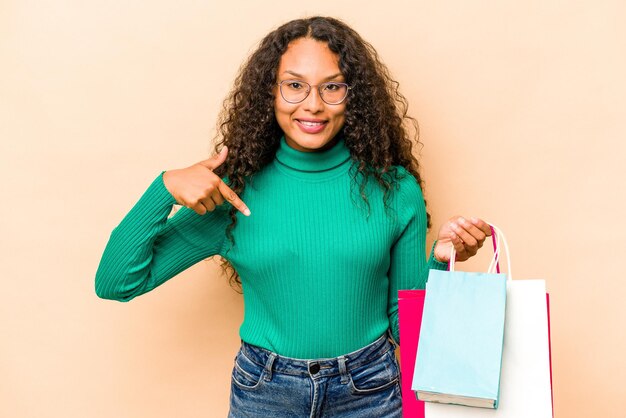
<point x="293" y="73"/>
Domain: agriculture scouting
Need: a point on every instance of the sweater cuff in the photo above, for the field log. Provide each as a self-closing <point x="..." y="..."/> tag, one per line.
<point x="158" y="189"/>
<point x="433" y="263"/>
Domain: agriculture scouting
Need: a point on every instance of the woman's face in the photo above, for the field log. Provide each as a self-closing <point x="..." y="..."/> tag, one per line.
<point x="311" y="124"/>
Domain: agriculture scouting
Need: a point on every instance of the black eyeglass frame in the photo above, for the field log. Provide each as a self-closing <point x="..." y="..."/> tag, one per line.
<point x="310" y="87"/>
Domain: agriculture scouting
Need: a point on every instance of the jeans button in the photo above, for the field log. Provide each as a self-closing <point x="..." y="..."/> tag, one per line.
<point x="314" y="368"/>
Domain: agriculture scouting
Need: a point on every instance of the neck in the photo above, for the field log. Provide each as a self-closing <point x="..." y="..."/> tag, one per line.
<point x="334" y="155"/>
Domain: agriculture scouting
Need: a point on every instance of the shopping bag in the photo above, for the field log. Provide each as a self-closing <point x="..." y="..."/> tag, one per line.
<point x="526" y="377"/>
<point x="410" y="307"/>
<point x="459" y="354"/>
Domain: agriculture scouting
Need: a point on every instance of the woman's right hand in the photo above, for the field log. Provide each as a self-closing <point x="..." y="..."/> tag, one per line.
<point x="198" y="188"/>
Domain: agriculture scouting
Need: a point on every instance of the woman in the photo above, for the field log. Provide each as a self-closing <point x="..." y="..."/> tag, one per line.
<point x="314" y="199"/>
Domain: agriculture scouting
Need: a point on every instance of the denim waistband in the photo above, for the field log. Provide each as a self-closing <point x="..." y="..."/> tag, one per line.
<point x="276" y="363"/>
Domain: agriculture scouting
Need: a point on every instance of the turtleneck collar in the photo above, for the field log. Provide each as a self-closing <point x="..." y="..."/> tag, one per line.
<point x="312" y="161"/>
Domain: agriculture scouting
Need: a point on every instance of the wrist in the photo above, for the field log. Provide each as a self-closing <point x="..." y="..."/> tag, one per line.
<point x="434" y="256"/>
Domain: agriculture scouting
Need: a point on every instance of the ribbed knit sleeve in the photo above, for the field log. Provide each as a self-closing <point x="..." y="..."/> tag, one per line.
<point x="409" y="267"/>
<point x="146" y="248"/>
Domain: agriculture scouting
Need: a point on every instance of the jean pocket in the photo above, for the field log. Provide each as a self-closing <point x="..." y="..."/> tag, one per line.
<point x="247" y="374"/>
<point x="376" y="376"/>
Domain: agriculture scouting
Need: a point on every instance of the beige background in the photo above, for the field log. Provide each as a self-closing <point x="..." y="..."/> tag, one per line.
<point x="521" y="105"/>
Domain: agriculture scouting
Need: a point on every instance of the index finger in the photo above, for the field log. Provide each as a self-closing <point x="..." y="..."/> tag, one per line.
<point x="232" y="197"/>
<point x="482" y="225"/>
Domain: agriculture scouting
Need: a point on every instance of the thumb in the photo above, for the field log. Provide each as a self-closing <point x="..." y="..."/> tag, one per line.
<point x="216" y="160"/>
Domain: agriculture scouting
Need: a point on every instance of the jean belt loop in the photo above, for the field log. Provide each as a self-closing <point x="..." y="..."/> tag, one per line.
<point x="343" y="370"/>
<point x="269" y="366"/>
<point x="393" y="340"/>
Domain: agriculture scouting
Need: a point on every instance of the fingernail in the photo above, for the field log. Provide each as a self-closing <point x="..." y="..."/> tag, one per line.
<point x="461" y="220"/>
<point x="455" y="226"/>
<point x="474" y="220"/>
<point x="246" y="212"/>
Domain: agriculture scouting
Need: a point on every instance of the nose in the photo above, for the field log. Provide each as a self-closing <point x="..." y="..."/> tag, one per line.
<point x="313" y="102"/>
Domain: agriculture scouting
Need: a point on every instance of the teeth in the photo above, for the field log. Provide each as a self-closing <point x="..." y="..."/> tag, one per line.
<point x="306" y="123"/>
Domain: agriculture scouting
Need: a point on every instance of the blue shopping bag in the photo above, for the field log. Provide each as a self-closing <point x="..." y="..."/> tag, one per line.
<point x="459" y="356"/>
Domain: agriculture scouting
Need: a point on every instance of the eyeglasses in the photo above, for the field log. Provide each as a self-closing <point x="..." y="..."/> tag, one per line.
<point x="332" y="93"/>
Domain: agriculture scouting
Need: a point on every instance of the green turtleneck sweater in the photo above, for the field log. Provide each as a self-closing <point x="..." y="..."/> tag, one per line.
<point x="320" y="272"/>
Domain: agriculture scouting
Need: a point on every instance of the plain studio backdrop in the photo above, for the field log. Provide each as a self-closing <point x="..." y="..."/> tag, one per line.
<point x="521" y="108"/>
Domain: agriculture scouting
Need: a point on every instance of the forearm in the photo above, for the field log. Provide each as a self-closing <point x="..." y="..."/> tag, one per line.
<point x="146" y="248"/>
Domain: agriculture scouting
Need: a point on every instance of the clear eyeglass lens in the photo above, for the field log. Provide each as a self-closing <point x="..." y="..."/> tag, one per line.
<point x="294" y="91"/>
<point x="333" y="92"/>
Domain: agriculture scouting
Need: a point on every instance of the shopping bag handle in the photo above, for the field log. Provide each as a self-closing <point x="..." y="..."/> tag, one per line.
<point x="494" y="266"/>
<point x="495" y="247"/>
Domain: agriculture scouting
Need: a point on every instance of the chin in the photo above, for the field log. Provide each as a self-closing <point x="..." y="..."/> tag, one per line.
<point x="312" y="144"/>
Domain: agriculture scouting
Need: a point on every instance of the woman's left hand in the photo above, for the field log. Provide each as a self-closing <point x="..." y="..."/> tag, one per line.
<point x="467" y="236"/>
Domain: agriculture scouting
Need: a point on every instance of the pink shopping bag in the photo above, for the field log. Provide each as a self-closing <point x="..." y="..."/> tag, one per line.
<point x="410" y="307"/>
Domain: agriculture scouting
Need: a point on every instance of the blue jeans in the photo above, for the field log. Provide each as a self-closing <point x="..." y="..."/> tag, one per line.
<point x="364" y="383"/>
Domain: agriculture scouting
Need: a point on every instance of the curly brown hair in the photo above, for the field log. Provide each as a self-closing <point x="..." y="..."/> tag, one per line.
<point x="248" y="127"/>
